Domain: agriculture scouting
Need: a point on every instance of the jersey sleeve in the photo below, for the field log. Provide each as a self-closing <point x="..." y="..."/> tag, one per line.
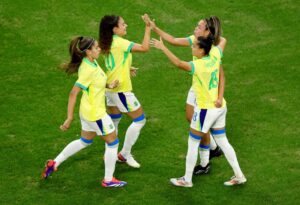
<point x="125" y="45"/>
<point x="216" y="52"/>
<point x="84" y="78"/>
<point x="193" y="68"/>
<point x="191" y="39"/>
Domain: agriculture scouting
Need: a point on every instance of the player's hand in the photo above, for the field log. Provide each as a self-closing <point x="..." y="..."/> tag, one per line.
<point x="114" y="84"/>
<point x="218" y="103"/>
<point x="148" y="21"/>
<point x="133" y="71"/>
<point x="66" y="125"/>
<point x="159" y="44"/>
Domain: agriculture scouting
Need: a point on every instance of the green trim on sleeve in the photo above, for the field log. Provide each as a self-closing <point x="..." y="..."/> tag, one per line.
<point x="193" y="68"/>
<point x="81" y="86"/>
<point x="130" y="47"/>
<point x="190" y="40"/>
<point x="221" y="52"/>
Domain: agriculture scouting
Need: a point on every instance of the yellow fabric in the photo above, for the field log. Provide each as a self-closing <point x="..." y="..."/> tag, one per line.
<point x="92" y="80"/>
<point x="118" y="64"/>
<point x="206" y="78"/>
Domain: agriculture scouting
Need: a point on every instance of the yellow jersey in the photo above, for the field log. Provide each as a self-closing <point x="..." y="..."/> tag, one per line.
<point x="92" y="81"/>
<point x="205" y="73"/>
<point x="118" y="64"/>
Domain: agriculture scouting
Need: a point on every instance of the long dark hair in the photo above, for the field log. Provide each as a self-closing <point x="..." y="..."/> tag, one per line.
<point x="107" y="23"/>
<point x="77" y="49"/>
<point x="205" y="43"/>
<point x="213" y="24"/>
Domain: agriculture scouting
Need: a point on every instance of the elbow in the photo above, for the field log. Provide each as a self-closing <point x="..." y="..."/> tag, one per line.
<point x="145" y="49"/>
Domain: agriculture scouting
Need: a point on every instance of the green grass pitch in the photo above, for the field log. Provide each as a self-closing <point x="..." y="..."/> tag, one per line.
<point x="261" y="65"/>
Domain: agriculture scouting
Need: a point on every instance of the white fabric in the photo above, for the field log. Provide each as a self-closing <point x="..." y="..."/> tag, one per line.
<point x="110" y="158"/>
<point x="113" y="99"/>
<point x="214" y="118"/>
<point x="229" y="153"/>
<point x="191" y="158"/>
<point x="131" y="136"/>
<point x="106" y="122"/>
<point x="71" y="149"/>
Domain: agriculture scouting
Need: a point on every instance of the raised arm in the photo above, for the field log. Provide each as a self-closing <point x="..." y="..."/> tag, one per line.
<point x="144" y="47"/>
<point x="176" y="61"/>
<point x="166" y="36"/>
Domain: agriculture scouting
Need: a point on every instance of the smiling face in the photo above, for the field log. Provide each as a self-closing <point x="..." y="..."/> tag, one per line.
<point x="201" y="29"/>
<point x="94" y="51"/>
<point x="120" y="30"/>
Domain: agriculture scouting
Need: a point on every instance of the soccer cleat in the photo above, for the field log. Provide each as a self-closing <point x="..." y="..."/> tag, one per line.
<point x="235" y="181"/>
<point x="180" y="182"/>
<point x="121" y="158"/>
<point x="130" y="160"/>
<point x="113" y="183"/>
<point x="49" y="168"/>
<point x="199" y="170"/>
<point x="215" y="153"/>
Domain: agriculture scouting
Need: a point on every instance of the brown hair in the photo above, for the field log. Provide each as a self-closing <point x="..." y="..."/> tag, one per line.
<point x="77" y="49"/>
<point x="213" y="24"/>
<point x="107" y="23"/>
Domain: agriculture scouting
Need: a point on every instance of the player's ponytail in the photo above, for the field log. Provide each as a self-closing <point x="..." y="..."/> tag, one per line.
<point x="213" y="24"/>
<point x="77" y="49"/>
<point x="205" y="43"/>
<point x="106" y="33"/>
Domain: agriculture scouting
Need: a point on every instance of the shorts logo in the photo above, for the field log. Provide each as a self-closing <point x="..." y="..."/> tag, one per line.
<point x="135" y="103"/>
<point x="111" y="126"/>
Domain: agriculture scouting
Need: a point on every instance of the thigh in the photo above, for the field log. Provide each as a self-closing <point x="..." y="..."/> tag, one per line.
<point x="109" y="138"/>
<point x="113" y="110"/>
<point x="189" y="111"/>
<point x="88" y="134"/>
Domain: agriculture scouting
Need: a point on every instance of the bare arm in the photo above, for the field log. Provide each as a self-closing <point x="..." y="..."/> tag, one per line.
<point x="71" y="105"/>
<point x="176" y="61"/>
<point x="171" y="39"/>
<point x="219" y="101"/>
<point x="144" y="47"/>
<point x="166" y="36"/>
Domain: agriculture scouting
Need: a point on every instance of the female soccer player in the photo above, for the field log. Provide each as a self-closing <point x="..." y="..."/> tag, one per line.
<point x="206" y="115"/>
<point x="117" y="53"/>
<point x="205" y="27"/>
<point x="92" y="81"/>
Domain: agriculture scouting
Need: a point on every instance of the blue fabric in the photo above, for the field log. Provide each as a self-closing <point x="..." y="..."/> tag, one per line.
<point x="86" y="140"/>
<point x="114" y="142"/>
<point x="217" y="132"/>
<point x="140" y="118"/>
<point x="115" y="116"/>
<point x="204" y="146"/>
<point x="195" y="136"/>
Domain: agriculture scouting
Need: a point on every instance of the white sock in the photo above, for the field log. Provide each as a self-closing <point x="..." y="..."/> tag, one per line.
<point x="213" y="144"/>
<point x="229" y="153"/>
<point x="131" y="136"/>
<point x="116" y="118"/>
<point x="191" y="158"/>
<point x="71" y="149"/>
<point x="204" y="155"/>
<point x="110" y="158"/>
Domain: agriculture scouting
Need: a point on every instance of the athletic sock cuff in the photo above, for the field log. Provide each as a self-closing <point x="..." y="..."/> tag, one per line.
<point x="86" y="141"/>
